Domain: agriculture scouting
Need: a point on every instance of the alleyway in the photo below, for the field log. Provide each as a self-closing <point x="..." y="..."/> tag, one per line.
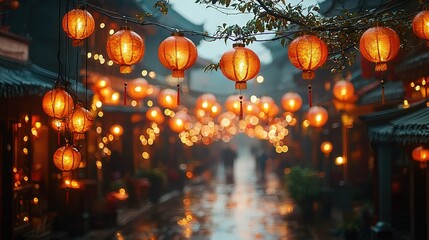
<point x="244" y="210"/>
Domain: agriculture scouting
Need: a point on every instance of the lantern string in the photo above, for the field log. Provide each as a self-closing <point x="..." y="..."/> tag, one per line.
<point x="125" y="93"/>
<point x="58" y="136"/>
<point x="310" y="97"/>
<point x="241" y="106"/>
<point x="382" y="91"/>
<point x="178" y="93"/>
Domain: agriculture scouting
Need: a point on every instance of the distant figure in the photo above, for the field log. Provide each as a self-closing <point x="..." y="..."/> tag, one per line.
<point x="229" y="156"/>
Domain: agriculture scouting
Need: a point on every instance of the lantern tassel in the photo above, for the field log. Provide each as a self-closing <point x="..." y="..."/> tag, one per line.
<point x="125" y="94"/>
<point x="241" y="108"/>
<point x="178" y="95"/>
<point x="310" y="97"/>
<point x="382" y="91"/>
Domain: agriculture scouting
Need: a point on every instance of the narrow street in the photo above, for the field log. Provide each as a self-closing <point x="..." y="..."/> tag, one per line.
<point x="216" y="210"/>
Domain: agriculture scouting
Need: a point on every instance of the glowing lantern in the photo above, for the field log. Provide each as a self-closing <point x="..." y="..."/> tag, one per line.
<point x="138" y="88"/>
<point x="317" y="116"/>
<point x="240" y="64"/>
<point x="421" y="154"/>
<point x="205" y="101"/>
<point x="81" y="120"/>
<point x="125" y="48"/>
<point x="308" y="53"/>
<point x="101" y="83"/>
<point x="154" y="114"/>
<point x="421" y="25"/>
<point x="57" y="103"/>
<point x="343" y="90"/>
<point x="291" y="102"/>
<point x="215" y="109"/>
<point x="251" y="109"/>
<point x="232" y="104"/>
<point x="379" y="45"/>
<point x="67" y="158"/>
<point x="117" y="130"/>
<point x="326" y="147"/>
<point x="179" y="122"/>
<point x="266" y="104"/>
<point x="166" y="98"/>
<point x="78" y="24"/>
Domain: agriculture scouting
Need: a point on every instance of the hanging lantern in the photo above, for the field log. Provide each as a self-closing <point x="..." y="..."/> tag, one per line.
<point x="317" y="116"/>
<point x="215" y="109"/>
<point x="117" y="130"/>
<point x="179" y="122"/>
<point x="78" y="24"/>
<point x="291" y="102"/>
<point x="205" y="101"/>
<point x="343" y="90"/>
<point x="125" y="48"/>
<point x="379" y="45"/>
<point x="326" y="147"/>
<point x="266" y="104"/>
<point x="138" y="88"/>
<point x="81" y="120"/>
<point x="251" y="108"/>
<point x="232" y="104"/>
<point x="240" y="64"/>
<point x="57" y="103"/>
<point x="154" y="114"/>
<point x="166" y="98"/>
<point x="67" y="158"/>
<point x="421" y="155"/>
<point x="421" y="25"/>
<point x="101" y="83"/>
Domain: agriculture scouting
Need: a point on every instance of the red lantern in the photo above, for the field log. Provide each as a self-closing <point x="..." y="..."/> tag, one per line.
<point x="421" y="25"/>
<point x="166" y="98"/>
<point x="343" y="90"/>
<point x="317" y="116"/>
<point x="67" y="158"/>
<point x="138" y="88"/>
<point x="240" y="64"/>
<point x="57" y="103"/>
<point x="81" y="120"/>
<point x="154" y="114"/>
<point x="125" y="48"/>
<point x="291" y="102"/>
<point x="379" y="45"/>
<point x="78" y="24"/>
<point x="421" y="154"/>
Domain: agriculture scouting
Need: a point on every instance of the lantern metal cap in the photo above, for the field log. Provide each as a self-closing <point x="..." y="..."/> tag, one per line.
<point x="177" y="33"/>
<point x="238" y="45"/>
<point x="125" y="28"/>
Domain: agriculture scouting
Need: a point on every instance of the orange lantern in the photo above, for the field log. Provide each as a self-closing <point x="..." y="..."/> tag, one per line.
<point x="317" y="116"/>
<point x="326" y="147"/>
<point x="154" y="114"/>
<point x="343" y="90"/>
<point x="379" y="45"/>
<point x="177" y="53"/>
<point x="232" y="104"/>
<point x="138" y="88"/>
<point x="57" y="103"/>
<point x="117" y="130"/>
<point x="67" y="158"/>
<point x="291" y="102"/>
<point x="215" y="109"/>
<point x="78" y="24"/>
<point x="101" y="83"/>
<point x="251" y="108"/>
<point x="179" y="122"/>
<point x="239" y="64"/>
<point x="421" y="25"/>
<point x="266" y="104"/>
<point x="81" y="120"/>
<point x="421" y="154"/>
<point x="166" y="98"/>
<point x="205" y="101"/>
<point x="125" y="48"/>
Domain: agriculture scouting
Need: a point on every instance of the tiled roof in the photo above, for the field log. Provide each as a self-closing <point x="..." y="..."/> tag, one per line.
<point x="393" y="90"/>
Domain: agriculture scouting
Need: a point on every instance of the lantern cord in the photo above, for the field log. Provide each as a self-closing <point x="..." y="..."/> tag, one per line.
<point x="125" y="93"/>
<point x="382" y="91"/>
<point x="241" y="106"/>
<point x="59" y="136"/>
<point x="178" y="92"/>
<point x="67" y="195"/>
<point x="310" y="97"/>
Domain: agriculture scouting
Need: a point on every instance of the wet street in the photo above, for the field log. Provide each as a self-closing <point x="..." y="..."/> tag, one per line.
<point x="244" y="210"/>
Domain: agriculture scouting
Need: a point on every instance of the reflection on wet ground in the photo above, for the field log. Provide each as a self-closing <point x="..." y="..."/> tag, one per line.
<point x="244" y="210"/>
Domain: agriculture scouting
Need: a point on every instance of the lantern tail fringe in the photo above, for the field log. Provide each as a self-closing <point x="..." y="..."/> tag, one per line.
<point x="310" y="96"/>
<point x="78" y="136"/>
<point x="125" y="94"/>
<point x="308" y="75"/>
<point x="380" y="67"/>
<point x="178" y="94"/>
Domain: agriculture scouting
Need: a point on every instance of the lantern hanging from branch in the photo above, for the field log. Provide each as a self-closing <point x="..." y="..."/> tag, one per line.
<point x="421" y="155"/>
<point x="57" y="103"/>
<point x="80" y="121"/>
<point x="177" y="53"/>
<point x="421" y="25"/>
<point x="240" y="64"/>
<point x="78" y="24"/>
<point x="308" y="53"/>
<point x="317" y="116"/>
<point x="291" y="102"/>
<point x="166" y="98"/>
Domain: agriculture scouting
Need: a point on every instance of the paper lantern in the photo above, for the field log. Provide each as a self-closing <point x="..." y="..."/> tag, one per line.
<point x="291" y="102"/>
<point x="177" y="53"/>
<point x="379" y="45"/>
<point x="266" y="104"/>
<point x="232" y="104"/>
<point x="138" y="88"/>
<point x="101" y="83"/>
<point x="80" y="121"/>
<point x="307" y="53"/>
<point x="215" y="109"/>
<point x="117" y="130"/>
<point x="240" y="64"/>
<point x="205" y="101"/>
<point x="317" y="116"/>
<point x="57" y="103"/>
<point x="166" y="98"/>
<point x="154" y="114"/>
<point x="343" y="90"/>
<point x="251" y="108"/>
<point x="67" y="158"/>
<point x="421" y="25"/>
<point x="421" y="155"/>
<point x="125" y="48"/>
<point x="179" y="122"/>
<point x="78" y="24"/>
<point x="326" y="147"/>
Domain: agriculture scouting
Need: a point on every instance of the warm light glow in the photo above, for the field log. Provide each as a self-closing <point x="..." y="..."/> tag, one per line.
<point x="343" y="90"/>
<point x="167" y="98"/>
<point x="340" y="160"/>
<point x="326" y="147"/>
<point x="421" y="154"/>
<point x="260" y="79"/>
<point x="421" y="25"/>
<point x="57" y="103"/>
<point x="67" y="158"/>
<point x="317" y="116"/>
<point x="116" y="130"/>
<point x="78" y="24"/>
